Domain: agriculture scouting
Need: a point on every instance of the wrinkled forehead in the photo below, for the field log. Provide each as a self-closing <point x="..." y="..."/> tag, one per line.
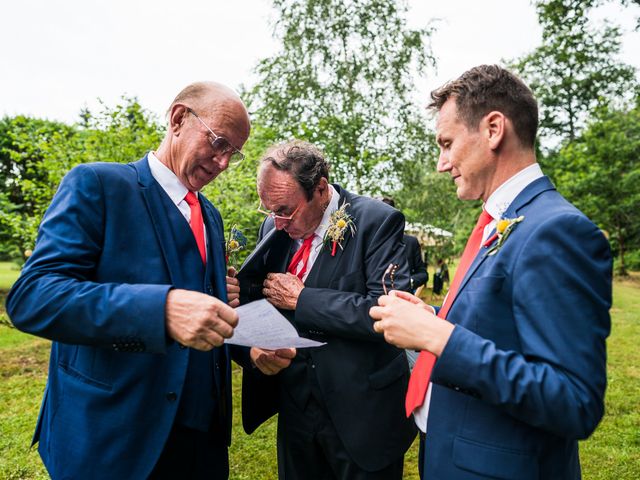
<point x="277" y="187"/>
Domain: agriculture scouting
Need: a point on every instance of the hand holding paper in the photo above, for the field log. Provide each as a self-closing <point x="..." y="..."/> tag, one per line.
<point x="261" y="325"/>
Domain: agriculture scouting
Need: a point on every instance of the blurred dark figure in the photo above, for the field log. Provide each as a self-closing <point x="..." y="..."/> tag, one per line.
<point x="417" y="267"/>
<point x="440" y="277"/>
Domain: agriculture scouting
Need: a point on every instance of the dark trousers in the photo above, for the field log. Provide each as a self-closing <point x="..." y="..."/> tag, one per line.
<point x="309" y="448"/>
<point x="191" y="454"/>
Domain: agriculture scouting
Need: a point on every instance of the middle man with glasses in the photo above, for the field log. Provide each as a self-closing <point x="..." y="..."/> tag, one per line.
<point x="340" y="406"/>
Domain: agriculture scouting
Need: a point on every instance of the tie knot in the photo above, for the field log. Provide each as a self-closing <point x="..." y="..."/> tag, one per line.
<point x="484" y="219"/>
<point x="307" y="241"/>
<point x="191" y="198"/>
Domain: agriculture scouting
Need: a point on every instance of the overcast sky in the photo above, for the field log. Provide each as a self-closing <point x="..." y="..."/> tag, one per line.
<point x="59" y="56"/>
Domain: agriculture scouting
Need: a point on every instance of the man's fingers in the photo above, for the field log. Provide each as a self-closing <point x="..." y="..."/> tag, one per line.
<point x="227" y="314"/>
<point x="378" y="327"/>
<point x="232" y="272"/>
<point x="286" y="353"/>
<point x="376" y="312"/>
<point x="406" y="296"/>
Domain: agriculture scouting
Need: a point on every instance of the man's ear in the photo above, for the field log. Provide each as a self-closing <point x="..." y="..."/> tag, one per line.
<point x="495" y="128"/>
<point x="323" y="186"/>
<point x="177" y="117"/>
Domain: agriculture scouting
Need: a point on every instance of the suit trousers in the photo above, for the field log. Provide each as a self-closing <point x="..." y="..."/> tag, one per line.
<point x="309" y="448"/>
<point x="194" y="455"/>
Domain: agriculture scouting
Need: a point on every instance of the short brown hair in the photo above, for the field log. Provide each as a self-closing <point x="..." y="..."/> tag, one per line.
<point x="486" y="88"/>
<point x="303" y="160"/>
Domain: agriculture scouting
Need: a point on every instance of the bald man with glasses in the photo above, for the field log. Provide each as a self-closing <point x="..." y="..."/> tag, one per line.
<point x="127" y="279"/>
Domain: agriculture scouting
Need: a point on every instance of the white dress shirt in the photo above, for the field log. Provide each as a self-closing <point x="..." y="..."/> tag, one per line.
<point x="316" y="244"/>
<point x="173" y="187"/>
<point x="496" y="205"/>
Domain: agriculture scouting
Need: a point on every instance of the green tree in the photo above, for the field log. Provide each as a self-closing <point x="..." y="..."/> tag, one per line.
<point x="429" y="197"/>
<point x="343" y="81"/>
<point x="576" y="69"/>
<point x="602" y="174"/>
<point x="35" y="155"/>
<point x="26" y="177"/>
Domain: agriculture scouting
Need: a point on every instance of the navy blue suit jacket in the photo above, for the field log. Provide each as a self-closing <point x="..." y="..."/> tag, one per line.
<point x="523" y="375"/>
<point x="96" y="285"/>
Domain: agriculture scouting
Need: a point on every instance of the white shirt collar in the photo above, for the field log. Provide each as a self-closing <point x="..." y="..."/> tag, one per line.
<point x="167" y="179"/>
<point x="332" y="207"/>
<point x="505" y="194"/>
<point x="324" y="223"/>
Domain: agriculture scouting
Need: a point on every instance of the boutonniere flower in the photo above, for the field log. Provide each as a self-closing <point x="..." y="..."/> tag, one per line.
<point x="340" y="222"/>
<point x="504" y="227"/>
<point x="235" y="243"/>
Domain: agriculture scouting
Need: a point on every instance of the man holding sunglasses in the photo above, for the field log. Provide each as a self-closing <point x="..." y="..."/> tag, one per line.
<point x="327" y="251"/>
<point x="128" y="280"/>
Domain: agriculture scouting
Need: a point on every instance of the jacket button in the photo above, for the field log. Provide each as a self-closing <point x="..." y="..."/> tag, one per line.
<point x="172" y="396"/>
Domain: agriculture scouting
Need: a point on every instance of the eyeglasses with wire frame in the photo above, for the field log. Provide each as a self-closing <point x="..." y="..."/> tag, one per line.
<point x="389" y="276"/>
<point x="283" y="218"/>
<point x="219" y="144"/>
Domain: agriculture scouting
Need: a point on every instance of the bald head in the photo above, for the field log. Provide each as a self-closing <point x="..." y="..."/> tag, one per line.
<point x="208" y="124"/>
<point x="215" y="99"/>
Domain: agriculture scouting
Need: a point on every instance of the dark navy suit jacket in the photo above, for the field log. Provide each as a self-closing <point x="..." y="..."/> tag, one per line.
<point x="105" y="259"/>
<point x="523" y="375"/>
<point x="362" y="379"/>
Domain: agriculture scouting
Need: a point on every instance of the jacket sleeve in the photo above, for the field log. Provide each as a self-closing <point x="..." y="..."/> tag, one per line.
<point x="561" y="299"/>
<point x="56" y="295"/>
<point x="343" y="310"/>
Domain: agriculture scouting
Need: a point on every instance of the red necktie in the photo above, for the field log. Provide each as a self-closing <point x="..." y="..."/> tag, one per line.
<point x="301" y="254"/>
<point x="419" y="381"/>
<point x="197" y="226"/>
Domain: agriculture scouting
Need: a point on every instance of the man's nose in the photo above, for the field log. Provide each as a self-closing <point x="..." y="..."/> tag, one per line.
<point x="443" y="163"/>
<point x="280" y="223"/>
<point x="222" y="159"/>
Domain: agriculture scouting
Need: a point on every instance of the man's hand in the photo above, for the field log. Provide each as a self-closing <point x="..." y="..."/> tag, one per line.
<point x="233" y="288"/>
<point x="282" y="290"/>
<point x="407" y="322"/>
<point x="198" y="320"/>
<point x="271" y="362"/>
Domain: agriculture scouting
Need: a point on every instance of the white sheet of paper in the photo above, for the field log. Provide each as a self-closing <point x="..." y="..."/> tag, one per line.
<point x="261" y="325"/>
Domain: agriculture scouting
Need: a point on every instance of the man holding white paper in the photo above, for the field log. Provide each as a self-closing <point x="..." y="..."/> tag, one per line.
<point x="321" y="260"/>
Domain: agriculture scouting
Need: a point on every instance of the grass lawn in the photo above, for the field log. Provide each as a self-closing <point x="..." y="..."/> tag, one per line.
<point x="613" y="452"/>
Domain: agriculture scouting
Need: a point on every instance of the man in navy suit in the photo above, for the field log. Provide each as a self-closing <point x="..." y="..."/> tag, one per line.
<point x="340" y="405"/>
<point x="128" y="280"/>
<point x="520" y="373"/>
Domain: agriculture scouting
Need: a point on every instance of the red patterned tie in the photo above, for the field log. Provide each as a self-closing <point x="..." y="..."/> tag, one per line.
<point x="419" y="381"/>
<point x="197" y="226"/>
<point x="301" y="254"/>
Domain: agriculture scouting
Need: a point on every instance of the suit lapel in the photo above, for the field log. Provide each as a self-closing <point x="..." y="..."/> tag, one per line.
<point x="216" y="247"/>
<point x="152" y="193"/>
<point x="525" y="197"/>
<point x="324" y="267"/>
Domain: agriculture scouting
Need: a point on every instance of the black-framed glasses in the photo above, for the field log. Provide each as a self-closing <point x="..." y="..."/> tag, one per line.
<point x="284" y="218"/>
<point x="389" y="277"/>
<point x="220" y="145"/>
